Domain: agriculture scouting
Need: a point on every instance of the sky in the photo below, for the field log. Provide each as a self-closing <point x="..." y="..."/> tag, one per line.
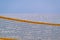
<point x="31" y="9"/>
<point x="29" y="6"/>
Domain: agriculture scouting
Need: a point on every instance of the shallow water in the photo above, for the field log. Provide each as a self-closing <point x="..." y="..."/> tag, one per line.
<point x="26" y="31"/>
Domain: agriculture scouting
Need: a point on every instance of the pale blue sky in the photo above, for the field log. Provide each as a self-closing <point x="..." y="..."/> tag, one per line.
<point x="39" y="10"/>
<point x="29" y="6"/>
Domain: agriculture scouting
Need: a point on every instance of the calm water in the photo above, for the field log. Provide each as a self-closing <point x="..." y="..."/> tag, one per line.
<point x="26" y="31"/>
